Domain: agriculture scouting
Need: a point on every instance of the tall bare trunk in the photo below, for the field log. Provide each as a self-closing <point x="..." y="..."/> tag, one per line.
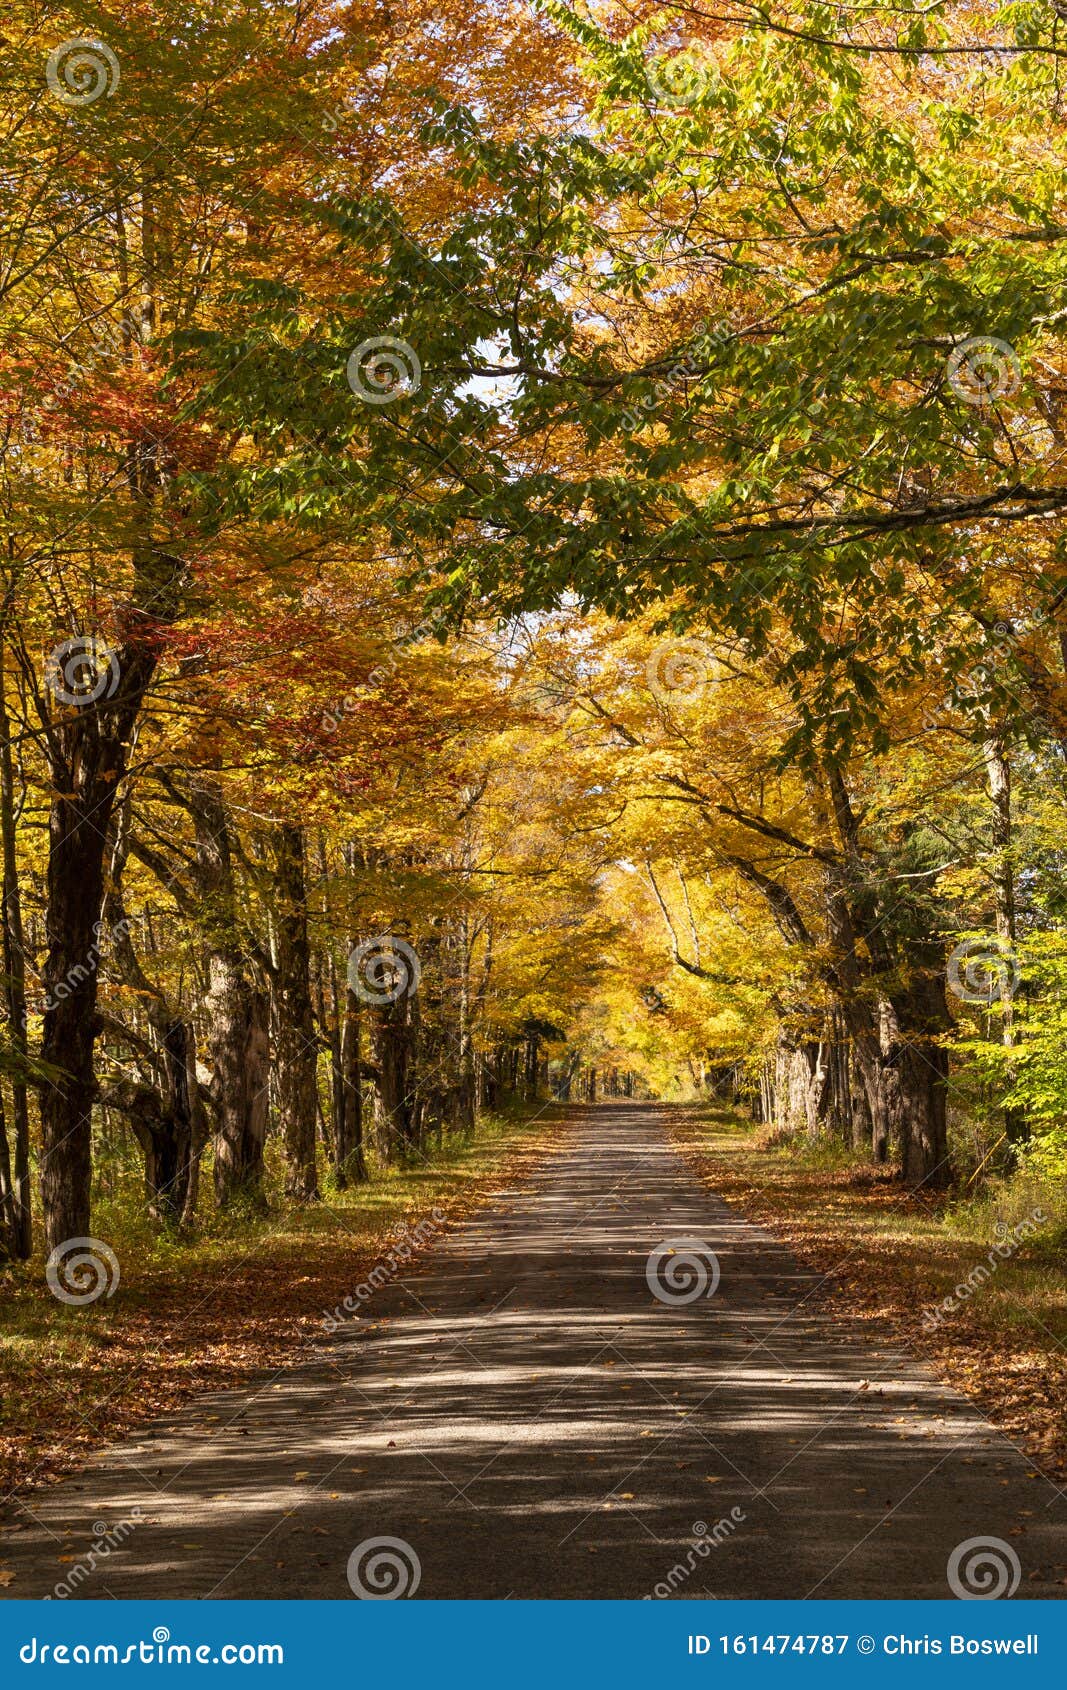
<point x="235" y="1006"/>
<point x="168" y="1120"/>
<point x="351" y="1163"/>
<point x="86" y="741"/>
<point x="296" y="1041"/>
<point x="915" y="1068"/>
<point x="998" y="773"/>
<point x="466" y="1086"/>
<point x="75" y="889"/>
<point x="239" y="1050"/>
<point x="20" y="1201"/>
<point x="393" y="1046"/>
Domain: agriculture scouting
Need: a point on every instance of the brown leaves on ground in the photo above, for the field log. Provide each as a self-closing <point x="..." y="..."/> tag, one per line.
<point x="1016" y="1370"/>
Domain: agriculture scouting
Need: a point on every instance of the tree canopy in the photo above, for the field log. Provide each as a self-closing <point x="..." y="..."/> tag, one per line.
<point x="531" y="552"/>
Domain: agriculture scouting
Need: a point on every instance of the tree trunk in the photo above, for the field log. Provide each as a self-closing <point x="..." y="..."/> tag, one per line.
<point x="14" y="955"/>
<point x="861" y="1121"/>
<point x="331" y="1023"/>
<point x="8" y="1230"/>
<point x="200" y="1133"/>
<point x="529" y="1086"/>
<point x="915" y="1067"/>
<point x="173" y="1151"/>
<point x="239" y="1051"/>
<point x="169" y="1125"/>
<point x="87" y="744"/>
<point x="168" y="1118"/>
<point x="466" y="1085"/>
<point x="392" y="1046"/>
<point x="350" y="1161"/>
<point x="296" y="1041"/>
<point x="998" y="771"/>
<point x="236" y="1009"/>
<point x="75" y="888"/>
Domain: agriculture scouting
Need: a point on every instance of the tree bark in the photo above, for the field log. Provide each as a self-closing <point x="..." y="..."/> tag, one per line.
<point x="296" y="1040"/>
<point x="915" y="1067"/>
<point x="168" y="1116"/>
<point x="14" y="955"/>
<point x="235" y="1006"/>
<point x="168" y="1123"/>
<point x="529" y="1086"/>
<point x="86" y="740"/>
<point x="998" y="772"/>
<point x="75" y="890"/>
<point x="350" y="1159"/>
<point x="392" y="1043"/>
<point x="239" y="1051"/>
<point x="8" y="1231"/>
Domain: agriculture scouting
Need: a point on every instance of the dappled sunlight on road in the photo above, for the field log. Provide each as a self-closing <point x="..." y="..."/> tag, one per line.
<point x="534" y="1419"/>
